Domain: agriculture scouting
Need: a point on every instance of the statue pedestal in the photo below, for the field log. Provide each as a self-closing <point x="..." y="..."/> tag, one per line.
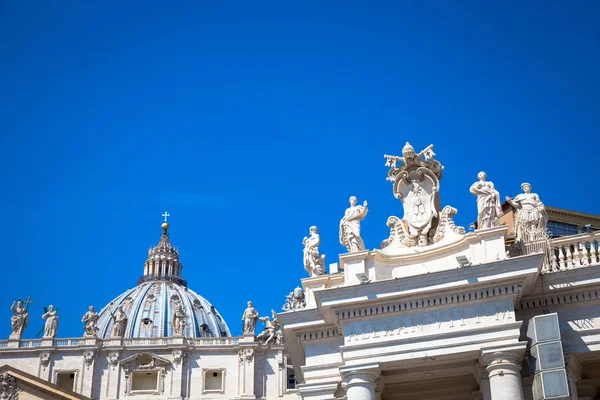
<point x="14" y="341"/>
<point x="247" y="338"/>
<point x="47" y="342"/>
<point x="178" y="339"/>
<point x="90" y="340"/>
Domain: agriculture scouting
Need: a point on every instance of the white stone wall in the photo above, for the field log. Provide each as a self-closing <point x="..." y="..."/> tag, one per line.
<point x="101" y="380"/>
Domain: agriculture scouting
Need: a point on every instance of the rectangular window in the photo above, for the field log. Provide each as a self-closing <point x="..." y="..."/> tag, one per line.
<point x="562" y="229"/>
<point x="214" y="381"/>
<point x="144" y="381"/>
<point x="65" y="380"/>
<point x="291" y="377"/>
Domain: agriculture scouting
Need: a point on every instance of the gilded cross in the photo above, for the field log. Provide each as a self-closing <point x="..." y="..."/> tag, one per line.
<point x="166" y="214"/>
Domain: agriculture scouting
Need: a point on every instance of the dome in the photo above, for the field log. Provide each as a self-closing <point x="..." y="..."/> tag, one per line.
<point x="149" y="308"/>
<point x="150" y="305"/>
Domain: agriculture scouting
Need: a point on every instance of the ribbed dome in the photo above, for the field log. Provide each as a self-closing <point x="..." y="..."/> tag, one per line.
<point x="150" y="306"/>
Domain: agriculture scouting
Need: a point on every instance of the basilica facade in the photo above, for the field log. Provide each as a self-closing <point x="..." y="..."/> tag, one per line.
<point x="506" y="311"/>
<point x="159" y="340"/>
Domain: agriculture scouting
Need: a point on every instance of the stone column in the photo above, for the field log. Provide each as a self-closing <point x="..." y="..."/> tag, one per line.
<point x="573" y="375"/>
<point x="504" y="368"/>
<point x="360" y="381"/>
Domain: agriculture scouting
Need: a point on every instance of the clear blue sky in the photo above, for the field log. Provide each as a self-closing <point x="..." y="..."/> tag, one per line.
<point x="251" y="121"/>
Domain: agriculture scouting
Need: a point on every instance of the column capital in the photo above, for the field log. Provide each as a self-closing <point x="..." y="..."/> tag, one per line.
<point x="361" y="375"/>
<point x="504" y="360"/>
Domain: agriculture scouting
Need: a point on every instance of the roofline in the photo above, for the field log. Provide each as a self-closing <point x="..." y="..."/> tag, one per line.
<point x="565" y="211"/>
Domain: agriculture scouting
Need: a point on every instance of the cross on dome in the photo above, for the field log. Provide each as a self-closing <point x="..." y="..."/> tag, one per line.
<point x="166" y="214"/>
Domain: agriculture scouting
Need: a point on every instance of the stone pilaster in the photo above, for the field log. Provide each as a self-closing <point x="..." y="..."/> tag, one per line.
<point x="361" y="381"/>
<point x="87" y="373"/>
<point x="504" y="369"/>
<point x="483" y="380"/>
<point x="573" y="375"/>
<point x="178" y="357"/>
<point x="246" y="367"/>
<point x="114" y="375"/>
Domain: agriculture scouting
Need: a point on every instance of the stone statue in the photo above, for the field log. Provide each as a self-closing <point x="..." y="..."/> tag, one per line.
<point x="296" y="300"/>
<point x="120" y="322"/>
<point x="178" y="320"/>
<point x="489" y="209"/>
<point x="531" y="219"/>
<point x="250" y="317"/>
<point x="51" y="325"/>
<point x="269" y="335"/>
<point x="19" y="319"/>
<point x="314" y="263"/>
<point x="350" y="226"/>
<point x="90" y="319"/>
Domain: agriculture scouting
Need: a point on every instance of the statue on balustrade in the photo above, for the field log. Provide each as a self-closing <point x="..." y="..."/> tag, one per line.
<point x="178" y="320"/>
<point x="350" y="226"/>
<point x="51" y="325"/>
<point x="19" y="319"/>
<point x="270" y="334"/>
<point x="119" y="322"/>
<point x="531" y="219"/>
<point x="250" y="317"/>
<point x="90" y="320"/>
<point x="489" y="209"/>
<point x="314" y="263"/>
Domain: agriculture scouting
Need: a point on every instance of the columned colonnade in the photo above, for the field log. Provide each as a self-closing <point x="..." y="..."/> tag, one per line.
<point x="499" y="377"/>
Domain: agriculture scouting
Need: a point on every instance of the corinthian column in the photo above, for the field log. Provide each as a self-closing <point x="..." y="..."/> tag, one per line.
<point x="504" y="369"/>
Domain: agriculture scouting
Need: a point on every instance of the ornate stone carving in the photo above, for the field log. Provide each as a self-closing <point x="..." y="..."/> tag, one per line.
<point x="51" y="325"/>
<point x="531" y="219"/>
<point x="296" y="300"/>
<point x="246" y="355"/>
<point x="88" y="358"/>
<point x="314" y="263"/>
<point x="90" y="319"/>
<point x="350" y="226"/>
<point x="489" y="209"/>
<point x="179" y="320"/>
<point x="446" y="223"/>
<point x="119" y="322"/>
<point x="179" y="356"/>
<point x="45" y="359"/>
<point x="8" y="387"/>
<point x="269" y="335"/>
<point x="250" y="317"/>
<point x="113" y="359"/>
<point x="20" y="317"/>
<point x="416" y="183"/>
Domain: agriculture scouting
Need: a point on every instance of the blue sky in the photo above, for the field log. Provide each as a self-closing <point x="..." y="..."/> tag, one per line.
<point x="251" y="121"/>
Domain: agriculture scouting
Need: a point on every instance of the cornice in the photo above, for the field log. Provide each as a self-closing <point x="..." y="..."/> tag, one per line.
<point x="543" y="301"/>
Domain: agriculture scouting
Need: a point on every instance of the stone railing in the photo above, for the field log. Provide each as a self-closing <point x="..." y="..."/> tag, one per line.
<point x="30" y="343"/>
<point x="576" y="251"/>
<point x="68" y="342"/>
<point x="159" y="341"/>
<point x="223" y="341"/>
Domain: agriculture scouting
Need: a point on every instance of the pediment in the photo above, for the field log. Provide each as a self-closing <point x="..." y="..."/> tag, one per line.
<point x="145" y="360"/>
<point x="18" y="384"/>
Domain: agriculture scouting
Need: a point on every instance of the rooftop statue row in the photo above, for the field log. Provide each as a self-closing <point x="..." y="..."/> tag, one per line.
<point x="416" y="183"/>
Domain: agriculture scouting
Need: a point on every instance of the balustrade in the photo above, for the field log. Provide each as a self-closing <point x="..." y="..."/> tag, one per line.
<point x="570" y="252"/>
